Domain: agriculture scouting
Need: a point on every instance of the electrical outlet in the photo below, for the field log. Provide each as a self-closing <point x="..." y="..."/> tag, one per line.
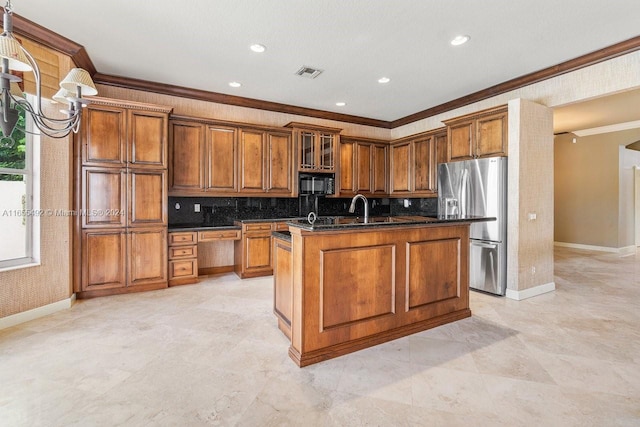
<point x="532" y="216"/>
<point x="533" y="270"/>
<point x="196" y="207"/>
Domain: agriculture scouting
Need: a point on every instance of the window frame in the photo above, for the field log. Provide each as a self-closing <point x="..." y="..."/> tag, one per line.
<point x="31" y="172"/>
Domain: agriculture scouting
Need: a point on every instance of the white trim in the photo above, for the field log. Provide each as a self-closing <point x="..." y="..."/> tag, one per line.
<point x="531" y="292"/>
<point x="26" y="316"/>
<point x="606" y="129"/>
<point x="626" y="250"/>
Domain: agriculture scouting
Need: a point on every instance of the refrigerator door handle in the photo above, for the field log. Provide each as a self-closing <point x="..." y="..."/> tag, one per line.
<point x="463" y="194"/>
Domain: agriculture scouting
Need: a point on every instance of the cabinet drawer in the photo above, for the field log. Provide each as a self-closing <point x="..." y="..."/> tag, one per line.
<point x="178" y="252"/>
<point x="265" y="226"/>
<point x="183" y="238"/>
<point x="183" y="268"/>
<point x="280" y="226"/>
<point x="211" y="235"/>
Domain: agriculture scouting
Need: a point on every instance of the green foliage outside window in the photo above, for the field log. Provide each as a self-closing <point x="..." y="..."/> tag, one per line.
<point x="13" y="150"/>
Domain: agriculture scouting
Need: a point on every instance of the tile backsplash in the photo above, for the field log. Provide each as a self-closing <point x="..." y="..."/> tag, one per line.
<point x="224" y="210"/>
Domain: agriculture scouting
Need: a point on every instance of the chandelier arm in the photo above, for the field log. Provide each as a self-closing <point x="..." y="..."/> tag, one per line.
<point x="55" y="128"/>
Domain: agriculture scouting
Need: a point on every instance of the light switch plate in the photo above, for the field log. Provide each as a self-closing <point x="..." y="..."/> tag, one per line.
<point x="196" y="207"/>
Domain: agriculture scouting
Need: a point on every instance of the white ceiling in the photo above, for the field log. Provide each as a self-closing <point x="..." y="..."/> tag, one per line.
<point x="204" y="44"/>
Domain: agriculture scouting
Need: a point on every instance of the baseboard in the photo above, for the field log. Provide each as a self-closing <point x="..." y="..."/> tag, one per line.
<point x="26" y="316"/>
<point x="531" y="292"/>
<point x="624" y="251"/>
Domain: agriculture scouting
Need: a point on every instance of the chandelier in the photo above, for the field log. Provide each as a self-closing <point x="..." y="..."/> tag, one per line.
<point x="16" y="58"/>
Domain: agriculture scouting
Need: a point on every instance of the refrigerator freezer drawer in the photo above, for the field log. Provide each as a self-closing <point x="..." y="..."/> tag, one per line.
<point x="487" y="267"/>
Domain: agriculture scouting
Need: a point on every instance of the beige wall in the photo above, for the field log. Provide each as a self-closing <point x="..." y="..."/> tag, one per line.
<point x="594" y="190"/>
<point x="28" y="288"/>
<point x="530" y="242"/>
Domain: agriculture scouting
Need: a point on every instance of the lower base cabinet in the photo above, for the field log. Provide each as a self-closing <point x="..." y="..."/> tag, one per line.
<point x="253" y="252"/>
<point x="123" y="260"/>
<point x="183" y="258"/>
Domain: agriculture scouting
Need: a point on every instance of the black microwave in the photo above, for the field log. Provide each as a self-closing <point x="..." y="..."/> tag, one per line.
<point x="317" y="184"/>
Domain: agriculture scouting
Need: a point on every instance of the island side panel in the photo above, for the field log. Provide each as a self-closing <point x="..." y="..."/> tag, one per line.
<point x="357" y="288"/>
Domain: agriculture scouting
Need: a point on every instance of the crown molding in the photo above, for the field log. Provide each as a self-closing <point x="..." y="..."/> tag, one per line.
<point x="55" y="41"/>
<point x="81" y="58"/>
<point x="221" y="98"/>
<point x="583" y="61"/>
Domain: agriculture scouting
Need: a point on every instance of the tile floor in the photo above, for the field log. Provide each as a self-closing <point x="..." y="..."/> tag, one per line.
<point x="211" y="354"/>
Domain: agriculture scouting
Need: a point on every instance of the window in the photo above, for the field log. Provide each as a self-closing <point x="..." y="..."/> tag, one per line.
<point x="19" y="213"/>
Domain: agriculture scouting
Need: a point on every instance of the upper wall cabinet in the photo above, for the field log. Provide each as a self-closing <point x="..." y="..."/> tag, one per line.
<point x="478" y="135"/>
<point x="414" y="162"/>
<point x="186" y="151"/>
<point x="211" y="159"/>
<point x="364" y="167"/>
<point x="115" y="135"/>
<point x="317" y="147"/>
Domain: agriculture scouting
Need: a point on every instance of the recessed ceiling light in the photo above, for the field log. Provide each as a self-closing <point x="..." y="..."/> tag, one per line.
<point x="235" y="84"/>
<point x="384" y="80"/>
<point x="458" y="40"/>
<point x="341" y="104"/>
<point x="258" y="48"/>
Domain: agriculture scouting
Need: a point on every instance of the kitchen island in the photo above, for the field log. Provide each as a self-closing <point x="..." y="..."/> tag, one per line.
<point x="342" y="284"/>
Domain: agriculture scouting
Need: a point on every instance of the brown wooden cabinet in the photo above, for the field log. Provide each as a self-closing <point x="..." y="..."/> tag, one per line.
<point x="221" y="159"/>
<point x="253" y="252"/>
<point x="218" y="158"/>
<point x="400" y="180"/>
<point x="283" y="284"/>
<point x="266" y="162"/>
<point x="476" y="135"/>
<point x="186" y="154"/>
<point x="183" y="257"/>
<point x="414" y="163"/>
<point x="104" y="136"/>
<point x="317" y="147"/>
<point x="121" y="195"/>
<point x="363" y="167"/>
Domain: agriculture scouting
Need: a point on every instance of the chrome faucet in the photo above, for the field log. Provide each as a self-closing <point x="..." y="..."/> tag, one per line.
<point x="352" y="208"/>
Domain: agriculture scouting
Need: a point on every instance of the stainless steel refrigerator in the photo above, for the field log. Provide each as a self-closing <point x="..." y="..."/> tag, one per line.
<point x="479" y="188"/>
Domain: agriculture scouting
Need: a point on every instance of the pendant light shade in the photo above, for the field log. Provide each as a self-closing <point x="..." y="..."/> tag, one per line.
<point x="62" y="95"/>
<point x="11" y="49"/>
<point x="79" y="77"/>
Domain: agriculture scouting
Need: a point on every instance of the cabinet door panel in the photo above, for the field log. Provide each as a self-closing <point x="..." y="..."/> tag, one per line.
<point x="187" y="154"/>
<point x="148" y="139"/>
<point x="326" y="145"/>
<point x="347" y="168"/>
<point x="492" y="135"/>
<point x="422" y="164"/>
<point x="380" y="170"/>
<point x="280" y="163"/>
<point x="104" y="136"/>
<point x="252" y="160"/>
<point x="103" y="259"/>
<point x="104" y="197"/>
<point x="307" y="144"/>
<point x="441" y="156"/>
<point x="221" y="159"/>
<point x="461" y="140"/>
<point x="258" y="252"/>
<point x="401" y="168"/>
<point x="147" y="197"/>
<point x="363" y="157"/>
<point x="147" y="256"/>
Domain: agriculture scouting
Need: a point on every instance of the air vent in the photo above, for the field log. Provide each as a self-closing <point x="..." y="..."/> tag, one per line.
<point x="308" y="72"/>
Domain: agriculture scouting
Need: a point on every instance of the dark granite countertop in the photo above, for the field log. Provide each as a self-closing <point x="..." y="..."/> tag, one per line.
<point x="338" y="222"/>
<point x="249" y="221"/>
<point x="202" y="227"/>
<point x="284" y="235"/>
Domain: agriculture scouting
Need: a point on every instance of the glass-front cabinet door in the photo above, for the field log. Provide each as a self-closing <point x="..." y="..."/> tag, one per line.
<point x="307" y="150"/>
<point x="326" y="151"/>
<point x="316" y="147"/>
